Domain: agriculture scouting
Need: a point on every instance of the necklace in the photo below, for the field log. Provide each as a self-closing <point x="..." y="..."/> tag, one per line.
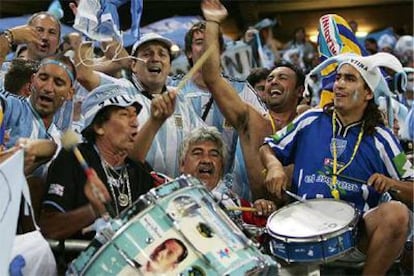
<point x="272" y="122"/>
<point x="333" y="187"/>
<point x="121" y="182"/>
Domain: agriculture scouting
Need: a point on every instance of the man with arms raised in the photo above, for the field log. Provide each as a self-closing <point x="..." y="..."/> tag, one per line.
<point x="284" y="87"/>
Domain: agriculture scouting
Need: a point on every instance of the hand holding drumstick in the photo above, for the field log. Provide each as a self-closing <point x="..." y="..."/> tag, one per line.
<point x="94" y="189"/>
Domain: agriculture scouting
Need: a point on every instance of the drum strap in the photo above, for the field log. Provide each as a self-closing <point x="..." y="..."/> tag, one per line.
<point x="208" y="107"/>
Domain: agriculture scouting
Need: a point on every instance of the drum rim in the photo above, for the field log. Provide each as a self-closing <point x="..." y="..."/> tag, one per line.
<point x="323" y="260"/>
<point x="108" y="243"/>
<point x="349" y="226"/>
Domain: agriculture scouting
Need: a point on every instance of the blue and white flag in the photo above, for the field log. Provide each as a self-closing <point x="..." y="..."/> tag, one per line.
<point x="99" y="20"/>
<point x="12" y="181"/>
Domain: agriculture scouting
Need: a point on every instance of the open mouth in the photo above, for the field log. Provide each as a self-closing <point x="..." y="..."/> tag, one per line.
<point x="44" y="46"/>
<point x="154" y="69"/>
<point x="45" y="99"/>
<point x="205" y="170"/>
<point x="275" y="92"/>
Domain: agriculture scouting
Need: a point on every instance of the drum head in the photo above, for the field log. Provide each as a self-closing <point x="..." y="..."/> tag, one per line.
<point x="313" y="218"/>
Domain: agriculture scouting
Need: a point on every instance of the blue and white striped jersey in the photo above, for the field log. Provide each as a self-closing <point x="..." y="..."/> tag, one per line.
<point x="21" y="120"/>
<point x="306" y="142"/>
<point x="163" y="154"/>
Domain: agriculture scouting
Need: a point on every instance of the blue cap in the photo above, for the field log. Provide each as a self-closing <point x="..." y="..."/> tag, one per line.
<point x="102" y="96"/>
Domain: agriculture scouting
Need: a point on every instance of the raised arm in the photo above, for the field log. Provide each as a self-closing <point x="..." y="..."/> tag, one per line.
<point x="15" y="36"/>
<point x="162" y="107"/>
<point x="37" y="152"/>
<point x="233" y="108"/>
<point x="85" y="73"/>
<point x="115" y="59"/>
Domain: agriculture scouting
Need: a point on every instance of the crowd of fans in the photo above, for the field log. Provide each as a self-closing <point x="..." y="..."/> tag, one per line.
<point x="138" y="126"/>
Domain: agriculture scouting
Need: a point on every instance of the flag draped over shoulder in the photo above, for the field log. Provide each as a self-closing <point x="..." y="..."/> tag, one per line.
<point x="335" y="37"/>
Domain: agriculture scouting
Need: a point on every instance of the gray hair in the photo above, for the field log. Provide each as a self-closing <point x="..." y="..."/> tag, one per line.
<point x="202" y="134"/>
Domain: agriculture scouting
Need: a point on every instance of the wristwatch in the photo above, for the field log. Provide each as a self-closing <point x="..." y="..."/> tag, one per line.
<point x="9" y="36"/>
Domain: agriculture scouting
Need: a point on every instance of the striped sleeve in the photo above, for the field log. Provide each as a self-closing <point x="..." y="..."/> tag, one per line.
<point x="283" y="142"/>
<point x="396" y="162"/>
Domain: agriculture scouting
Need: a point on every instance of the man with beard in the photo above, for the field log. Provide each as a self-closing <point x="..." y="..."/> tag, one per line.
<point x="283" y="90"/>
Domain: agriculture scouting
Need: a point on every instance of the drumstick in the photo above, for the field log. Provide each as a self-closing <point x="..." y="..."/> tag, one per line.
<point x="243" y="209"/>
<point x="295" y="196"/>
<point x="195" y="67"/>
<point x="360" y="181"/>
<point x="69" y="141"/>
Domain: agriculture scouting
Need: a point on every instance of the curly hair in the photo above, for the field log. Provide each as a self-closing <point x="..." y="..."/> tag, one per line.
<point x="372" y="116"/>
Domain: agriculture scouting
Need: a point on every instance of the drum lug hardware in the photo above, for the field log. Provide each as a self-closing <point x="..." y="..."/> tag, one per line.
<point x="149" y="240"/>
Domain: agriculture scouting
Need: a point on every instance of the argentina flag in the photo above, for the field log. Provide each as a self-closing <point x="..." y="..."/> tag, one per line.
<point x="99" y="20"/>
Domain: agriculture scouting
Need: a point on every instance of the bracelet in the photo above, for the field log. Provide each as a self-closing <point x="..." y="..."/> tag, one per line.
<point x="209" y="20"/>
<point x="10" y="38"/>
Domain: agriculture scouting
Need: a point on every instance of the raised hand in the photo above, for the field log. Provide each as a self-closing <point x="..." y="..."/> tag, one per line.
<point x="163" y="105"/>
<point x="213" y="10"/>
<point x="25" y="34"/>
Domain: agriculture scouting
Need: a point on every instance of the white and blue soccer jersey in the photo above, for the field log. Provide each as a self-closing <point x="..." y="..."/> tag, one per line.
<point x="199" y="99"/>
<point x="3" y="70"/>
<point x="306" y="142"/>
<point x="21" y="120"/>
<point x="163" y="154"/>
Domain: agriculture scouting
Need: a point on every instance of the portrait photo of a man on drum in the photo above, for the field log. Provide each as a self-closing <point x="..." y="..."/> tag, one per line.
<point x="166" y="256"/>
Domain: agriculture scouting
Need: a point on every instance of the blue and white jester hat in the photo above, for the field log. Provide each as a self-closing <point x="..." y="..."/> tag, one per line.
<point x="368" y="67"/>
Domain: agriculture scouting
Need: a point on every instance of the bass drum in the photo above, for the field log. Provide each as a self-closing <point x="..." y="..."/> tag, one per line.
<point x="175" y="229"/>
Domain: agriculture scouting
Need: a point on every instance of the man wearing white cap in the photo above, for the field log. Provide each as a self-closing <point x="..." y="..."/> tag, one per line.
<point x="343" y="142"/>
<point x="151" y="63"/>
<point x="110" y="131"/>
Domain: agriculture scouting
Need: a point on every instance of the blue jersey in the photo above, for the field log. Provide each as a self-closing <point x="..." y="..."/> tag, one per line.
<point x="199" y="99"/>
<point x="306" y="142"/>
<point x="21" y="120"/>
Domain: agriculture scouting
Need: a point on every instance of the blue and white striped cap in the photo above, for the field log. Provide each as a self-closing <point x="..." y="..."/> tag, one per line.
<point x="105" y="95"/>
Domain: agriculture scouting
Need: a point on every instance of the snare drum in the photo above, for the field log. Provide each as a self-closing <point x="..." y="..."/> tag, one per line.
<point x="206" y="240"/>
<point x="317" y="230"/>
